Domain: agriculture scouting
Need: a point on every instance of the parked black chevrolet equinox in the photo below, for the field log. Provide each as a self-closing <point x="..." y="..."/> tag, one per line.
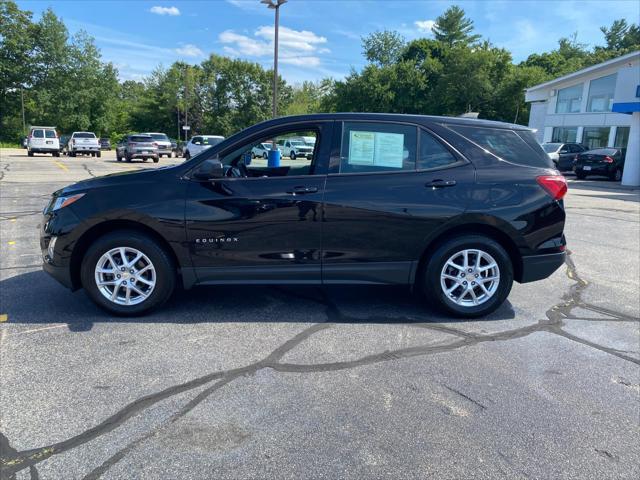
<point x="456" y="208"/>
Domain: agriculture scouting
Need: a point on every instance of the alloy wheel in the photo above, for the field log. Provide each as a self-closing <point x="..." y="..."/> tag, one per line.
<point x="470" y="277"/>
<point x="125" y="276"/>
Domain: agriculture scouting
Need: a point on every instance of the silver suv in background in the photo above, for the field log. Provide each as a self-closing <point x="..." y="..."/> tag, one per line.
<point x="163" y="141"/>
<point x="43" y="140"/>
<point x="137" y="146"/>
<point x="83" y="143"/>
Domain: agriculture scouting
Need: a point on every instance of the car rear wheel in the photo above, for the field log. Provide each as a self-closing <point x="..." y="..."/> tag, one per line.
<point x="128" y="158"/>
<point x="616" y="175"/>
<point x="127" y="273"/>
<point x="265" y="156"/>
<point x="156" y="160"/>
<point x="468" y="276"/>
<point x="292" y="155"/>
<point x="99" y="154"/>
<point x="30" y="153"/>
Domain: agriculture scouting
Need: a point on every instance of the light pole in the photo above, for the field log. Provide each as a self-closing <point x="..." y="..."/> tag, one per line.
<point x="275" y="5"/>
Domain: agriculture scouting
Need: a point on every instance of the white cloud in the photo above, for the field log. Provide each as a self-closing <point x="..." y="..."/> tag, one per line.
<point x="189" y="50"/>
<point x="172" y="11"/>
<point x="424" y="25"/>
<point x="296" y="47"/>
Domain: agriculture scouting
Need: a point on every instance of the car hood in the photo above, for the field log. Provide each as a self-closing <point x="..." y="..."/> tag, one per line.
<point x="119" y="179"/>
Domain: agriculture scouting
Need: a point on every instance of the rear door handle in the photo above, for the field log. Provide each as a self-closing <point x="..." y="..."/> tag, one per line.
<point x="302" y="190"/>
<point x="440" y="183"/>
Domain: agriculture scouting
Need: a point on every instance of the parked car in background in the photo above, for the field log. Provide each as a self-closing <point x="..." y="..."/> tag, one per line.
<point x="387" y="200"/>
<point x="295" y="148"/>
<point x="137" y="146"/>
<point x="174" y="147"/>
<point x="601" y="161"/>
<point x="24" y="142"/>
<point x="83" y="143"/>
<point x="200" y="143"/>
<point x="261" y="150"/>
<point x="163" y="142"/>
<point x="105" y="143"/>
<point x="43" y="140"/>
<point x="563" y="154"/>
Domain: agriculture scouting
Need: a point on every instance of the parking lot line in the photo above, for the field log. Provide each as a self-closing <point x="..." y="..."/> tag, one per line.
<point x="12" y="242"/>
<point x="62" y="166"/>
<point x="4" y="317"/>
<point x="33" y="330"/>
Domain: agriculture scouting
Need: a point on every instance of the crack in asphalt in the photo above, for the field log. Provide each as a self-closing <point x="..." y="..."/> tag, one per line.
<point x="13" y="461"/>
<point x="88" y="170"/>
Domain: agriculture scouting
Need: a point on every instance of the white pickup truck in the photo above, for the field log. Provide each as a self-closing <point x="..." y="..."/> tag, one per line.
<point x="83" y="142"/>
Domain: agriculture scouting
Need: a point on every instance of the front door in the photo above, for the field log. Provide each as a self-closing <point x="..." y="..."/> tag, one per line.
<point x="389" y="189"/>
<point x="262" y="223"/>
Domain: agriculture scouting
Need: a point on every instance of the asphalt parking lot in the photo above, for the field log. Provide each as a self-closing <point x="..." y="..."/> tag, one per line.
<point x="246" y="382"/>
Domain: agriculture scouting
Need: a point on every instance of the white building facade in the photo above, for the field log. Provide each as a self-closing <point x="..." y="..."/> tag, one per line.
<point x="598" y="106"/>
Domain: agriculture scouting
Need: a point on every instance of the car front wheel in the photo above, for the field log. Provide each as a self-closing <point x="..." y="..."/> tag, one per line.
<point x="127" y="273"/>
<point x="468" y="276"/>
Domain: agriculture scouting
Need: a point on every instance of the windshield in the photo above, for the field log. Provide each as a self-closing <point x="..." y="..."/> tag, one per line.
<point x="298" y="144"/>
<point x="140" y="138"/>
<point x="84" y="135"/>
<point x="551" y="147"/>
<point x="160" y="136"/>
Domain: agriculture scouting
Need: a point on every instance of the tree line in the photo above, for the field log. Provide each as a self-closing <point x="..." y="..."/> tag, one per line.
<point x="62" y="80"/>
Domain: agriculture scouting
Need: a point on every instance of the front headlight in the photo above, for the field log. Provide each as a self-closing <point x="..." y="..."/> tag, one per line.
<point x="65" y="201"/>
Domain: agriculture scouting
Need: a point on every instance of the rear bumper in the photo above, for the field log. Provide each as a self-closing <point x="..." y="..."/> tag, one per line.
<point x="538" y="267"/>
<point x="44" y="149"/>
<point x="605" y="169"/>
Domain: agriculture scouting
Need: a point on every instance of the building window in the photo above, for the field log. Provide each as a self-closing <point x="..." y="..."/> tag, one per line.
<point x="569" y="99"/>
<point x="564" y="134"/>
<point x="595" y="137"/>
<point x="601" y="92"/>
<point x="622" y="137"/>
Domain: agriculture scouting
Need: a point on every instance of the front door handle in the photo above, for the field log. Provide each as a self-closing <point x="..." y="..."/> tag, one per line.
<point x="439" y="183"/>
<point x="302" y="190"/>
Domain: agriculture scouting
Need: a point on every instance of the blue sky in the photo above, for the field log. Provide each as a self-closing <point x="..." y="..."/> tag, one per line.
<point x="318" y="38"/>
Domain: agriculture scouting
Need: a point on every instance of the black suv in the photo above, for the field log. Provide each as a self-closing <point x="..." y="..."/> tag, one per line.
<point x="455" y="208"/>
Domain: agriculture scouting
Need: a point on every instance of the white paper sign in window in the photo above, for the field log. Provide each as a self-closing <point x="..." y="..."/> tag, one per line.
<point x="377" y="149"/>
<point x="361" y="148"/>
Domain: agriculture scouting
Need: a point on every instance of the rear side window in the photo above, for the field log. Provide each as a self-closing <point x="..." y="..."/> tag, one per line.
<point x="432" y="153"/>
<point x="514" y="146"/>
<point x="85" y="135"/>
<point x="211" y="140"/>
<point x="377" y="147"/>
<point x="38" y="133"/>
<point x="50" y="133"/>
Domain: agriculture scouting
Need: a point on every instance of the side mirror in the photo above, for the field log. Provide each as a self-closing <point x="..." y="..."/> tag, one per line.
<point x="208" y="170"/>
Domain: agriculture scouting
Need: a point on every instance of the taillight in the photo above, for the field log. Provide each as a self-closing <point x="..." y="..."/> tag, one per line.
<point x="608" y="159"/>
<point x="555" y="185"/>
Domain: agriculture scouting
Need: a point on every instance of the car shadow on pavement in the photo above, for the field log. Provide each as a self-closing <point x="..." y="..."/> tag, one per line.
<point x="36" y="299"/>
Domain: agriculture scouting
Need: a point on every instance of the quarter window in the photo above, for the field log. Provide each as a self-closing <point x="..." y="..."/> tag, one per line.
<point x="569" y="99"/>
<point x="601" y="92"/>
<point x="377" y="147"/>
<point x="50" y="133"/>
<point x="432" y="153"/>
<point x="38" y="133"/>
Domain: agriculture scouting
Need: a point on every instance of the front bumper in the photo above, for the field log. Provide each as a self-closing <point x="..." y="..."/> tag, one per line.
<point x="153" y="154"/>
<point x="538" y="267"/>
<point x="57" y="261"/>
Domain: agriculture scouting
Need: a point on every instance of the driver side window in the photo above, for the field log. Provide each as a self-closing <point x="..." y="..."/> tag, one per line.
<point x="264" y="157"/>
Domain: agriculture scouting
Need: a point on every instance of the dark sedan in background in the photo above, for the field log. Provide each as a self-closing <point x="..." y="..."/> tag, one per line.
<point x="601" y="161"/>
<point x="105" y="144"/>
<point x="563" y="154"/>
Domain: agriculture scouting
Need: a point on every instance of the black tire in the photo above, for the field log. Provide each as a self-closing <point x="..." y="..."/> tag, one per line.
<point x="56" y="154"/>
<point x="253" y="156"/>
<point x="128" y="158"/>
<point x="431" y="273"/>
<point x="72" y="153"/>
<point x="292" y="155"/>
<point x="30" y="153"/>
<point x="616" y="175"/>
<point x="265" y="156"/>
<point x="580" y="176"/>
<point x="187" y="156"/>
<point x="145" y="159"/>
<point x="99" y="154"/>
<point x="156" y="160"/>
<point x="162" y="263"/>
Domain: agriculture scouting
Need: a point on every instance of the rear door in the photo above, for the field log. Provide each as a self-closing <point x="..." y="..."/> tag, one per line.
<point x="37" y="138"/>
<point x="390" y="187"/>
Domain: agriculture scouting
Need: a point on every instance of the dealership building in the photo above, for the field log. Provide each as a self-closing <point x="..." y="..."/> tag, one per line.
<point x="598" y="106"/>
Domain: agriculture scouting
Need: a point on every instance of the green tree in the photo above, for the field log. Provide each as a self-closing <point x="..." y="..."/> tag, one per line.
<point x="383" y="48"/>
<point x="454" y="28"/>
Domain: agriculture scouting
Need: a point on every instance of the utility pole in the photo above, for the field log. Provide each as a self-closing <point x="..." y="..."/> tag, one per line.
<point x="24" y="125"/>
<point x="275" y="5"/>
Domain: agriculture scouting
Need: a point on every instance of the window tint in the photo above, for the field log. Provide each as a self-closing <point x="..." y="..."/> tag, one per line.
<point x="377" y="147"/>
<point x="38" y="133"/>
<point x="514" y="146"/>
<point x="50" y="133"/>
<point x="196" y="140"/>
<point x="573" y="148"/>
<point x="432" y="153"/>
